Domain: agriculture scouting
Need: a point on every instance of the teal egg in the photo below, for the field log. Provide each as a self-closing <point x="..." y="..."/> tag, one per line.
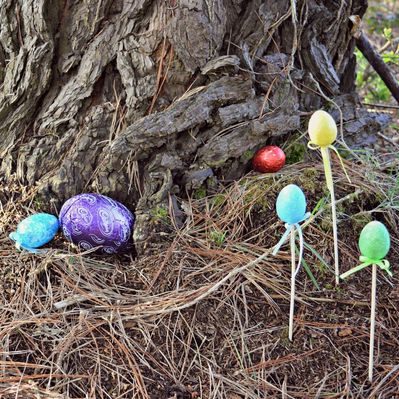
<point x="291" y="204"/>
<point x="36" y="230"/>
<point x="374" y="241"/>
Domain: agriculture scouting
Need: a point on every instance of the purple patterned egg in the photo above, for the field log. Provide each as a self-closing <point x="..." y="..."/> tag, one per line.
<point x="94" y="220"/>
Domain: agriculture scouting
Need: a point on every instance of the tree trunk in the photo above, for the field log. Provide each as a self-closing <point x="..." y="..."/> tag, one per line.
<point x="144" y="99"/>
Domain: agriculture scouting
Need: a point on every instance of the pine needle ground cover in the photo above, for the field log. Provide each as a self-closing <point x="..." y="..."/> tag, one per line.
<point x="205" y="315"/>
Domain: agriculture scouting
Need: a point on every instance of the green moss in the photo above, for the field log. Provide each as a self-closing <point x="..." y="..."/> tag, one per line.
<point x="326" y="223"/>
<point x="359" y="220"/>
<point x="311" y="173"/>
<point x="259" y="194"/>
<point x="341" y="207"/>
<point x="345" y="154"/>
<point x="339" y="289"/>
<point x="200" y="193"/>
<point x="216" y="163"/>
<point x="329" y="286"/>
<point x="295" y="153"/>
<point x="310" y="180"/>
<point x="248" y="155"/>
<point x="160" y="214"/>
<point x="283" y="336"/>
<point x="329" y="106"/>
<point x="218" y="200"/>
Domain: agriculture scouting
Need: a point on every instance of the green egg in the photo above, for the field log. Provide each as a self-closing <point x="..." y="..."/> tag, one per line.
<point x="374" y="241"/>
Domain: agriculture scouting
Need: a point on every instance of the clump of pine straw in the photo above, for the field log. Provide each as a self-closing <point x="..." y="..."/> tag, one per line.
<point x="206" y="317"/>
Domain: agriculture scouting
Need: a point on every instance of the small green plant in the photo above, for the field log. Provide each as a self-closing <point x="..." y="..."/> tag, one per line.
<point x="39" y="203"/>
<point x="390" y="57"/>
<point x="367" y="80"/>
<point x="388" y="33"/>
<point x="395" y="126"/>
<point x="320" y="205"/>
<point x="218" y="237"/>
<point x="308" y="271"/>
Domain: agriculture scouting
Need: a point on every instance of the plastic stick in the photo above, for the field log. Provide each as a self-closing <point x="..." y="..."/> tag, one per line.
<point x="292" y="297"/>
<point x="330" y="185"/>
<point x="372" y="321"/>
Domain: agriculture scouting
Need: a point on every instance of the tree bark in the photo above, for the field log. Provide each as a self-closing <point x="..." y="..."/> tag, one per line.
<point x="144" y="99"/>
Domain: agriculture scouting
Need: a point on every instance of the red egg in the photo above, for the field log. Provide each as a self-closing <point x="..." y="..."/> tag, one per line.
<point x="268" y="159"/>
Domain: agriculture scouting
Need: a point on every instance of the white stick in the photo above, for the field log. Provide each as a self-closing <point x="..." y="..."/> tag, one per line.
<point x="372" y="321"/>
<point x="330" y="184"/>
<point x="292" y="297"/>
<point x="335" y="234"/>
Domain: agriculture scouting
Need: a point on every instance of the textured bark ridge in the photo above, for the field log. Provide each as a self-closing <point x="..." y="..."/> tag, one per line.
<point x="142" y="99"/>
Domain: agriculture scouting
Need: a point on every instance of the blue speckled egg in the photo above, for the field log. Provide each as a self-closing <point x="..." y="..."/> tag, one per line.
<point x="96" y="221"/>
<point x="291" y="204"/>
<point x="35" y="231"/>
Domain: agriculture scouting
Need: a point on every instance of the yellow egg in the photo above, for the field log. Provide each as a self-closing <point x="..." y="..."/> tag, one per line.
<point x="322" y="128"/>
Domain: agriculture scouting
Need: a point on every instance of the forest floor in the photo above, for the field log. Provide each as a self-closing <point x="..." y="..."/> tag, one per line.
<point x="206" y="314"/>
